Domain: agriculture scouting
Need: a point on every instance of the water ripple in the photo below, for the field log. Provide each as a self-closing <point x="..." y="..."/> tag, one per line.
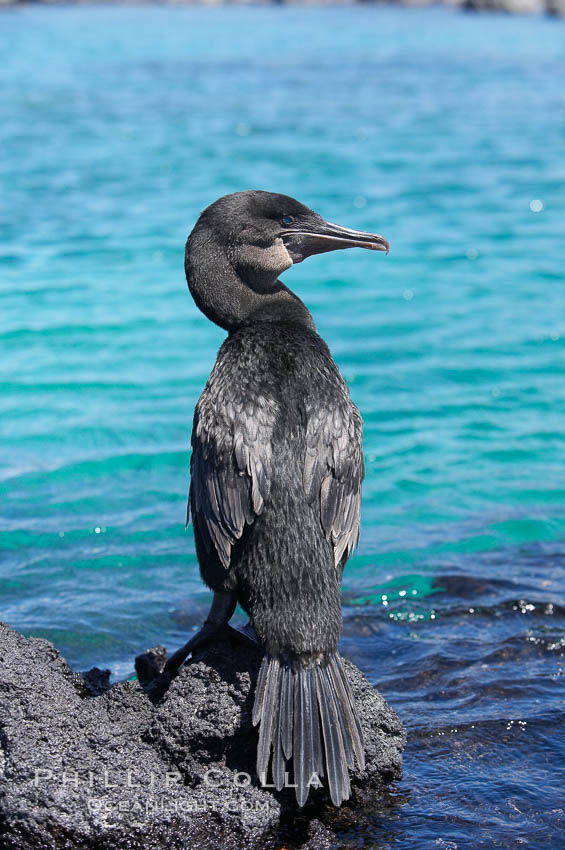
<point x="444" y="132"/>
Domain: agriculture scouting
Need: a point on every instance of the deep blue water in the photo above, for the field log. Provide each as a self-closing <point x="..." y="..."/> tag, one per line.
<point x="444" y="132"/>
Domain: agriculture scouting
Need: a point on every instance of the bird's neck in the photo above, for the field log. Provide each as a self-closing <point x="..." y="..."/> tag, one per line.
<point x="234" y="298"/>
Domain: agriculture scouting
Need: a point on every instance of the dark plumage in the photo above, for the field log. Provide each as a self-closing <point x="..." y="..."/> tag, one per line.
<point x="276" y="474"/>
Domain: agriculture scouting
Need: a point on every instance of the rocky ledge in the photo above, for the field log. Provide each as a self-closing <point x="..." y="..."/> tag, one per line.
<point x="155" y="763"/>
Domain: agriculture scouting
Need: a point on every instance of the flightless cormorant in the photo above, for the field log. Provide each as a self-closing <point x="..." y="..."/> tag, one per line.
<point x="276" y="472"/>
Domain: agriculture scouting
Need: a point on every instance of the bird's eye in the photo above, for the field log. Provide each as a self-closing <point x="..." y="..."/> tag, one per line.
<point x="287" y="219"/>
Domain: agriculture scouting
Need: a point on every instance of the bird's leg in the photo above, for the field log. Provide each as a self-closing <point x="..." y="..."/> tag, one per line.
<point x="223" y="606"/>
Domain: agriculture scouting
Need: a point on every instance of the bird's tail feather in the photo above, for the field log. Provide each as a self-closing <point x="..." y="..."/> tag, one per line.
<point x="307" y="713"/>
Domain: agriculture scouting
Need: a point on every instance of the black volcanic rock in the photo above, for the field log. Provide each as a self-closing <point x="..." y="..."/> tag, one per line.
<point x="87" y="766"/>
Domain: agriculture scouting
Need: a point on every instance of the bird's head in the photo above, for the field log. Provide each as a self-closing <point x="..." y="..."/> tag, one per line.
<point x="262" y="234"/>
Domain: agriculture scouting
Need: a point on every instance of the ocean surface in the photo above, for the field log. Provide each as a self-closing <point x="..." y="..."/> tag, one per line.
<point x="446" y="133"/>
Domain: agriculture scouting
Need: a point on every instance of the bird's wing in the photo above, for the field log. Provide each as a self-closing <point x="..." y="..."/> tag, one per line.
<point x="334" y="469"/>
<point x="230" y="465"/>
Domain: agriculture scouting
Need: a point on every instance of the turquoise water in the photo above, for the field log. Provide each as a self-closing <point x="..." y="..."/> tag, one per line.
<point x="442" y="131"/>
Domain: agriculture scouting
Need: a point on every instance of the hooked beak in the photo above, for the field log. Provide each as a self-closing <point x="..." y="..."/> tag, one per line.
<point x="321" y="236"/>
